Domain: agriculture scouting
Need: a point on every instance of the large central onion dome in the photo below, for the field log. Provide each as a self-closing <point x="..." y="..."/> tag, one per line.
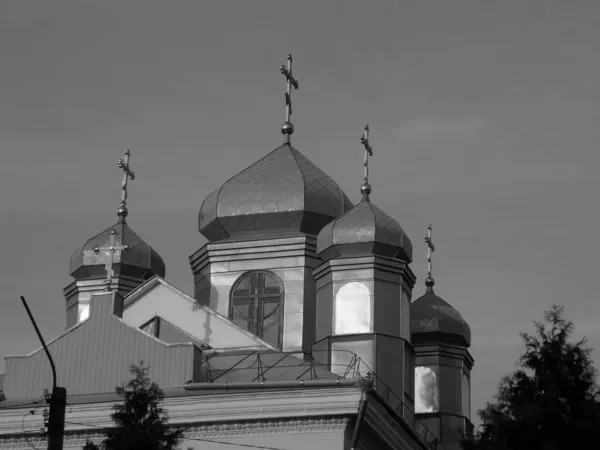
<point x="282" y="192"/>
<point x="138" y="261"/>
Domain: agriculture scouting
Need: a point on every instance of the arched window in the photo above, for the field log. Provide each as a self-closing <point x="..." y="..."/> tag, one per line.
<point x="256" y="306"/>
<point x="426" y="390"/>
<point x="353" y="309"/>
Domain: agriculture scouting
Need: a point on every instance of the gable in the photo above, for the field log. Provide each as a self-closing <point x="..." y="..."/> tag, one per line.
<point x="158" y="298"/>
<point x="94" y="357"/>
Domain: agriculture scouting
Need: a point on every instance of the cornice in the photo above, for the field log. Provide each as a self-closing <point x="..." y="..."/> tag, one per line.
<point x="120" y="282"/>
<point x="303" y="246"/>
<point x="444" y="350"/>
<point x="210" y="408"/>
<point x="382" y="268"/>
<point x="78" y="437"/>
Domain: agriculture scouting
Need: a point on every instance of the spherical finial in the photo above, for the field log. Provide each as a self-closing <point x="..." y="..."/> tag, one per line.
<point x="429" y="283"/>
<point x="365" y="190"/>
<point x="122" y="211"/>
<point x="287" y="128"/>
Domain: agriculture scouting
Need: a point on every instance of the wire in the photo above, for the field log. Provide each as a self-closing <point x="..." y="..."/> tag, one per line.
<point x="86" y="425"/>
<point x="21" y="405"/>
<point x="33" y="411"/>
<point x="229" y="443"/>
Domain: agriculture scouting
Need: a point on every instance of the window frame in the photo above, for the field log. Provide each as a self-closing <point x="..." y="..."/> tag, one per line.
<point x="260" y="304"/>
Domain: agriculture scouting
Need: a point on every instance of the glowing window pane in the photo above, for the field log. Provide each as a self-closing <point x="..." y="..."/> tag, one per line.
<point x="426" y="390"/>
<point x="342" y="356"/>
<point x="353" y="309"/>
<point x="84" y="312"/>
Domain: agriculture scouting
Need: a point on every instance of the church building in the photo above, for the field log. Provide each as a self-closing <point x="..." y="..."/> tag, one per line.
<point x="301" y="331"/>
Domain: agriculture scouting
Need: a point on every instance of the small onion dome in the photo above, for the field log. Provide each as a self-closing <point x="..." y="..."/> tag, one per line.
<point x="365" y="229"/>
<point x="282" y="192"/>
<point x="139" y="260"/>
<point x="433" y="320"/>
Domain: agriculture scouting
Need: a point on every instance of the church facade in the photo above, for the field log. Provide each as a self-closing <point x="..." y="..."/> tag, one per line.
<point x="301" y="330"/>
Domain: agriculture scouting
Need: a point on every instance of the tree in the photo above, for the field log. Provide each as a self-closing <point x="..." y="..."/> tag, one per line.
<point x="140" y="422"/>
<point x="550" y="402"/>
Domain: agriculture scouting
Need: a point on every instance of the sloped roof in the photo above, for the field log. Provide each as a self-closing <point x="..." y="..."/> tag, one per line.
<point x="364" y="229"/>
<point x="282" y="191"/>
<point x="139" y="260"/>
<point x="431" y="315"/>
<point x="94" y="357"/>
<point x="157" y="297"/>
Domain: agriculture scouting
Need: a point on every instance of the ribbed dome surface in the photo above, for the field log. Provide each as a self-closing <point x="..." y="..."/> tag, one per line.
<point x="365" y="229"/>
<point x="283" y="191"/>
<point x="432" y="319"/>
<point x="139" y="260"/>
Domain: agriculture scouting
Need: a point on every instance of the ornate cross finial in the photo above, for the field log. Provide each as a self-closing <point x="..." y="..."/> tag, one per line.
<point x="123" y="164"/>
<point x="112" y="249"/>
<point x="429" y="282"/>
<point x="287" y="129"/>
<point x="366" y="187"/>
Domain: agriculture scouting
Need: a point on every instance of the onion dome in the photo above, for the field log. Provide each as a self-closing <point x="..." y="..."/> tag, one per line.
<point x="282" y="192"/>
<point x="433" y="320"/>
<point x="139" y="260"/>
<point x="365" y="229"/>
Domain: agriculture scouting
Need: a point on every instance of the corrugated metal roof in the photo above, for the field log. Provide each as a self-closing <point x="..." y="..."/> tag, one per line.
<point x="94" y="357"/>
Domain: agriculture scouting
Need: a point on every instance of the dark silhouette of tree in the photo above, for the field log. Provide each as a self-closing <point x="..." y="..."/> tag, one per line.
<point x="550" y="402"/>
<point x="140" y="421"/>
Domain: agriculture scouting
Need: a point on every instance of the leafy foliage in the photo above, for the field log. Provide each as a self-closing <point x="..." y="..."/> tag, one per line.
<point x="140" y="421"/>
<point x="550" y="402"/>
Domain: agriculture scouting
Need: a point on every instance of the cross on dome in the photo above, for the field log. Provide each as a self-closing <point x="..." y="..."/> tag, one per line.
<point x="366" y="187"/>
<point x="112" y="248"/>
<point x="128" y="174"/>
<point x="288" y="127"/>
<point x="429" y="282"/>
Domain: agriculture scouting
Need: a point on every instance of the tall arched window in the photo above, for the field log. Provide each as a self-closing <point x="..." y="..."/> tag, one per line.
<point x="256" y="305"/>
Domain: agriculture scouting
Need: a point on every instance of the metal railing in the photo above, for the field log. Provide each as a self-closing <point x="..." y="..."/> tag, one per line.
<point x="258" y="365"/>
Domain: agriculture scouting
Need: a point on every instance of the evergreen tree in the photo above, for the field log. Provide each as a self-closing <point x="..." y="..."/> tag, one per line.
<point x="550" y="402"/>
<point x="140" y="422"/>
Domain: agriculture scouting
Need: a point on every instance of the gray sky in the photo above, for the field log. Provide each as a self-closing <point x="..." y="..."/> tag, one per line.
<point x="484" y="119"/>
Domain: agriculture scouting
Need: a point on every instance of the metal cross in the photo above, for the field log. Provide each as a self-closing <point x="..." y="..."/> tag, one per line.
<point x="123" y="164"/>
<point x="368" y="151"/>
<point x="291" y="81"/>
<point x="112" y="249"/>
<point x="430" y="249"/>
